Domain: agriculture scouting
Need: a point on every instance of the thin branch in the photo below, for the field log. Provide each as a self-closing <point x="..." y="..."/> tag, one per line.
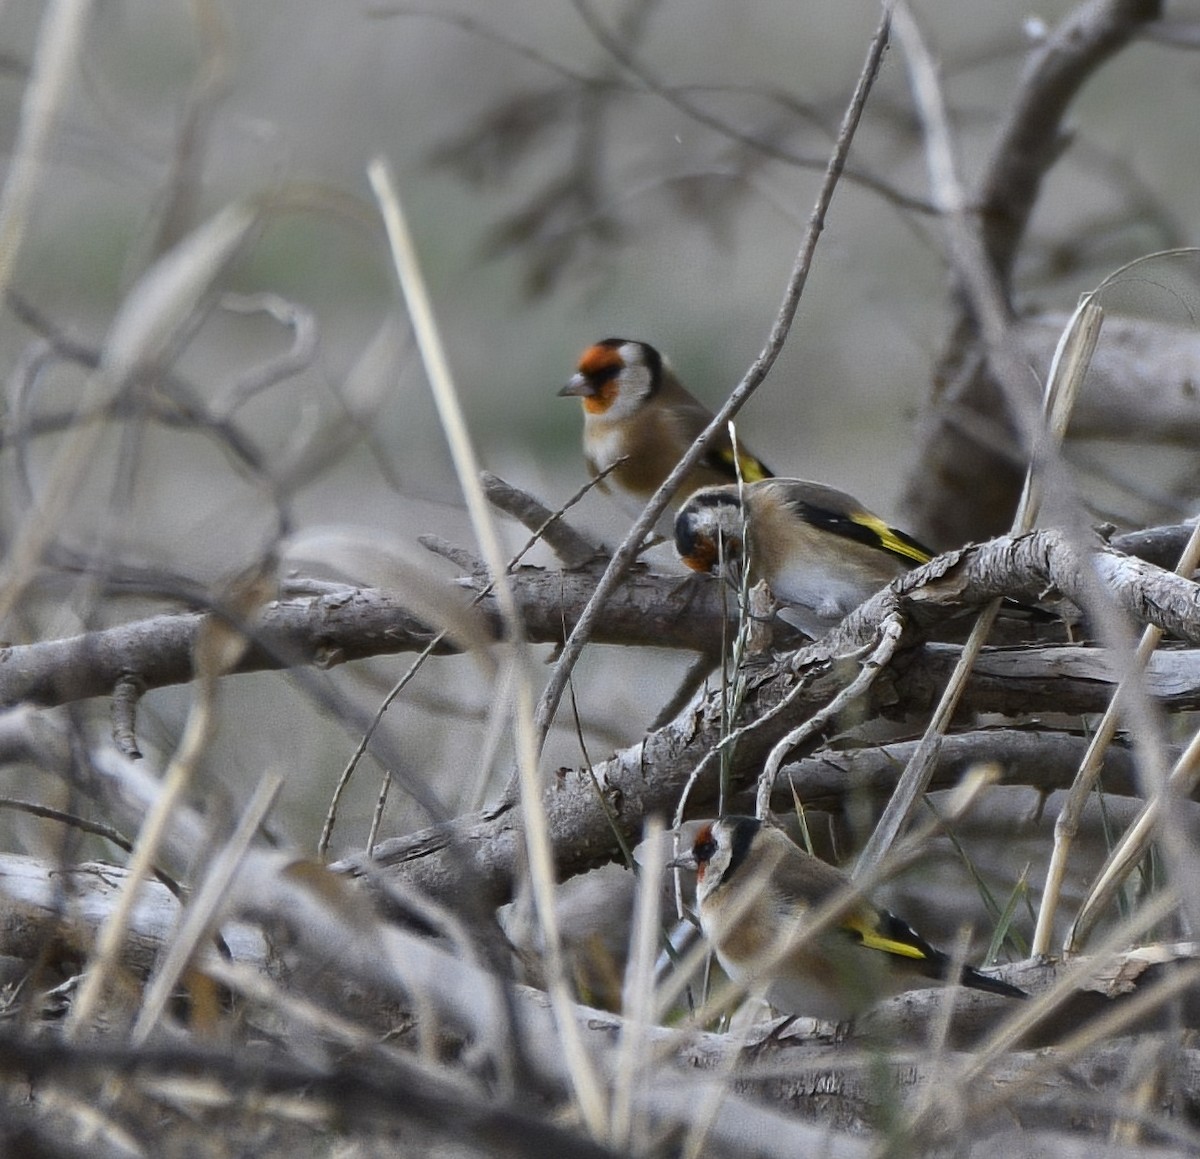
<point x="54" y="65"/>
<point x="571" y="546"/>
<point x="1031" y="139"/>
<point x="891" y="631"/>
<point x="628" y="551"/>
<point x="674" y="96"/>
<point x="297" y="358"/>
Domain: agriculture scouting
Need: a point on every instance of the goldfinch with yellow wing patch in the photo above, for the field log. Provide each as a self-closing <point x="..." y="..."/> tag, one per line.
<point x="635" y="408"/>
<point x="819" y="550"/>
<point x="754" y="889"/>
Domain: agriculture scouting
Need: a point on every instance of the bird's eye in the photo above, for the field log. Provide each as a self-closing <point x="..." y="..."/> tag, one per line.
<point x="703" y="850"/>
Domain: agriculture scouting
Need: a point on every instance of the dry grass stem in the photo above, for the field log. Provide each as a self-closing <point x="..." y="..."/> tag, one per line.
<point x="588" y="1091"/>
<point x="202" y="913"/>
<point x="1062" y="389"/>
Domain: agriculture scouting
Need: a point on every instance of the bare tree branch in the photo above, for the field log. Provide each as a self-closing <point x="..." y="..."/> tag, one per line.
<point x="1018" y="680"/>
<point x="1031" y="139"/>
<point x="347" y="623"/>
<point x="1142" y="379"/>
<point x="1045" y="759"/>
<point x="969" y="469"/>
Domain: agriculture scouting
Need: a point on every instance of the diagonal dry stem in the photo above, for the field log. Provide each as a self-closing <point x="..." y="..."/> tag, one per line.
<point x="1062" y="386"/>
<point x="1132" y="847"/>
<point x="589" y="1094"/>
<point x="625" y="555"/>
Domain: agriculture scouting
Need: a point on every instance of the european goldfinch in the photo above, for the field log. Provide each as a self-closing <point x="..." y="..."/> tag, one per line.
<point x="819" y="550"/>
<point x="635" y="408"/>
<point x="754" y="889"/>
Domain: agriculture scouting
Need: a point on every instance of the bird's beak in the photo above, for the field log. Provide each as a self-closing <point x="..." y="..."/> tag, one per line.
<point x="687" y="861"/>
<point x="580" y="386"/>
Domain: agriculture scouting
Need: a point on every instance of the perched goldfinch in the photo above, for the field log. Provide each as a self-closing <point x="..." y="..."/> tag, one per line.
<point x="754" y="887"/>
<point x="635" y="408"/>
<point x="818" y="549"/>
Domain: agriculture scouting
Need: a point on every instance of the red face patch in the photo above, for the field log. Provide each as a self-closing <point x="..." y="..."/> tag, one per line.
<point x="595" y="360"/>
<point x="703" y="847"/>
<point x="605" y="396"/>
<point x="702" y="557"/>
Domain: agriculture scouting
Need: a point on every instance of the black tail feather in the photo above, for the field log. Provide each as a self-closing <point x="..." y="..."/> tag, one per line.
<point x="977" y="980"/>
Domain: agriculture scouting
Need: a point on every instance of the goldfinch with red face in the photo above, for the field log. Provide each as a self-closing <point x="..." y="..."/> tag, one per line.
<point x="754" y="889"/>
<point x="635" y="408"/>
<point x="819" y="550"/>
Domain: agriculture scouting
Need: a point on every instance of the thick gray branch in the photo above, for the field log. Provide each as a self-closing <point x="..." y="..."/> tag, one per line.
<point x="343" y="624"/>
<point x="1027" y="567"/>
<point x="1044" y="759"/>
<point x="351" y="624"/>
<point x="647" y="779"/>
<point x="1142" y="379"/>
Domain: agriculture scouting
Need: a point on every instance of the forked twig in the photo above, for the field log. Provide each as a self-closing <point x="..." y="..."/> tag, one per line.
<point x="891" y="630"/>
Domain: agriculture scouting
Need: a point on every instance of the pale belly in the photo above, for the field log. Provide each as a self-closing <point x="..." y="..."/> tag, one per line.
<point x="819" y="595"/>
<point x="604" y="447"/>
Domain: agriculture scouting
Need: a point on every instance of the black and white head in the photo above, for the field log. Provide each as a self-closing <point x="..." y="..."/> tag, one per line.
<point x="710" y="530"/>
<point x="616" y="377"/>
<point x="719" y="850"/>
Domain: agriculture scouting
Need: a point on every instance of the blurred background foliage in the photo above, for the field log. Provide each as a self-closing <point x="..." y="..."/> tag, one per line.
<point x="560" y="191"/>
